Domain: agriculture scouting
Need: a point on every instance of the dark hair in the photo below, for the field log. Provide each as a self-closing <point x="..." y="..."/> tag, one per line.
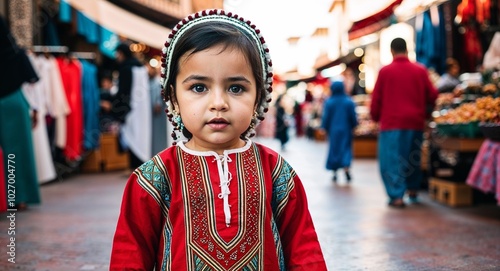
<point x="124" y="49"/>
<point x="107" y="75"/>
<point x="207" y="35"/>
<point x="450" y="63"/>
<point x="398" y="45"/>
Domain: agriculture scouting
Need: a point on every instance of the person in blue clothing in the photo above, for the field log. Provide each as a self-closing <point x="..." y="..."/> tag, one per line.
<point x="339" y="120"/>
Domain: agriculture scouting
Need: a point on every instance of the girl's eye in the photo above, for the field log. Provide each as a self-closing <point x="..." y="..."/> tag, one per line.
<point x="236" y="89"/>
<point x="198" y="88"/>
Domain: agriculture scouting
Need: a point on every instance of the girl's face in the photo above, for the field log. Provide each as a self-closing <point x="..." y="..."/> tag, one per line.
<point x="216" y="94"/>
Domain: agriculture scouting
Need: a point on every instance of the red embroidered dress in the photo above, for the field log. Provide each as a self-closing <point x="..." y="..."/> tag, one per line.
<point x="189" y="210"/>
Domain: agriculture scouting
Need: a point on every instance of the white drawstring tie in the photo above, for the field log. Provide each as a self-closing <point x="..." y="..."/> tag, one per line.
<point x="225" y="179"/>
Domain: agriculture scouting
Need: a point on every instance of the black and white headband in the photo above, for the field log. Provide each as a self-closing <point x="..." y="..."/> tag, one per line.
<point x="218" y="15"/>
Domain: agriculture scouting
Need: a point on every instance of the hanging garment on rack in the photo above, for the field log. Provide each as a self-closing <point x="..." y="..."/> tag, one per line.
<point x="65" y="12"/>
<point x="108" y="42"/>
<point x="430" y="46"/>
<point x="91" y="100"/>
<point x="36" y="97"/>
<point x="70" y="70"/>
<point x="16" y="140"/>
<point x="57" y="103"/>
<point x="15" y="123"/>
<point x="137" y="130"/>
<point x="492" y="56"/>
<point x="49" y="28"/>
<point x="87" y="28"/>
<point x="472" y="48"/>
<point x="468" y="17"/>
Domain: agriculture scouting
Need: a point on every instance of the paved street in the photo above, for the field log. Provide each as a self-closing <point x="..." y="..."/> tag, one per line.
<point x="73" y="228"/>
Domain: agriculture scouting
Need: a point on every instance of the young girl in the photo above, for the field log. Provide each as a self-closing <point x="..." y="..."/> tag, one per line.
<point x="215" y="200"/>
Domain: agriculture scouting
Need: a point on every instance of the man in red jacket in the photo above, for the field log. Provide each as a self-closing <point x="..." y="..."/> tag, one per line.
<point x="401" y="98"/>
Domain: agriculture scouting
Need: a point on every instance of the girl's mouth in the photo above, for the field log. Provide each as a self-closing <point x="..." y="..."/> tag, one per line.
<point x="218" y="123"/>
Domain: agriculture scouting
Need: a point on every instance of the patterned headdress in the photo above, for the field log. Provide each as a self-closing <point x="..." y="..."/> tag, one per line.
<point x="216" y="15"/>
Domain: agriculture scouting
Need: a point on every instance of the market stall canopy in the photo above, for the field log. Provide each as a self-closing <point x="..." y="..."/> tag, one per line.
<point x="369" y="16"/>
<point x="375" y="21"/>
<point x="122" y="22"/>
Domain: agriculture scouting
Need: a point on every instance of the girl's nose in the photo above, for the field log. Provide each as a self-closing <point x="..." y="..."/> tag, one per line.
<point x="219" y="100"/>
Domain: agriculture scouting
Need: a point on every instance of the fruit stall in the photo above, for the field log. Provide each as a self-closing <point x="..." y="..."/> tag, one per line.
<point x="465" y="141"/>
<point x="364" y="143"/>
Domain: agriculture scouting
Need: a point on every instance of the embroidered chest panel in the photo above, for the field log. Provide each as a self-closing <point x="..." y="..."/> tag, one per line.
<point x="210" y="245"/>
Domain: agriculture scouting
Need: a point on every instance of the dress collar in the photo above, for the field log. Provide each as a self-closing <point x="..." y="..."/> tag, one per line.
<point x="182" y="145"/>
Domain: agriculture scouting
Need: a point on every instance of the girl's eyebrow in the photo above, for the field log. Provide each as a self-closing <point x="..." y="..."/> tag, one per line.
<point x="197" y="77"/>
<point x="238" y="79"/>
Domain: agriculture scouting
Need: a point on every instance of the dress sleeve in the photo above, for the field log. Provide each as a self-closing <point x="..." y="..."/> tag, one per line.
<point x="300" y="243"/>
<point x="138" y="231"/>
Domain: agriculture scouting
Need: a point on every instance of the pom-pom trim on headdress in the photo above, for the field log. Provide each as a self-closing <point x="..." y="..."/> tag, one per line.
<point x="220" y="16"/>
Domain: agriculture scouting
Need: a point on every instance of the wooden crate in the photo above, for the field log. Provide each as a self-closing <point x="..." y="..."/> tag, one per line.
<point x="107" y="157"/>
<point x="93" y="162"/>
<point x="450" y="193"/>
<point x="319" y="135"/>
<point x="364" y="147"/>
<point x="459" y="144"/>
<point x="112" y="158"/>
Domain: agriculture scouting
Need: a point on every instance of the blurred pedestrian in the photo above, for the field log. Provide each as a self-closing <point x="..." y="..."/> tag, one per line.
<point x="338" y="121"/>
<point x="400" y="98"/>
<point x="16" y="123"/>
<point x="216" y="200"/>
<point x="449" y="81"/>
<point x="282" y="123"/>
<point x="131" y="106"/>
<point x="107" y="121"/>
<point x="351" y="85"/>
<point x="298" y="118"/>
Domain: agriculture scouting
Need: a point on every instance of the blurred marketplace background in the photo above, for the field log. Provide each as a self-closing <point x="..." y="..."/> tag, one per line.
<point x="311" y="43"/>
